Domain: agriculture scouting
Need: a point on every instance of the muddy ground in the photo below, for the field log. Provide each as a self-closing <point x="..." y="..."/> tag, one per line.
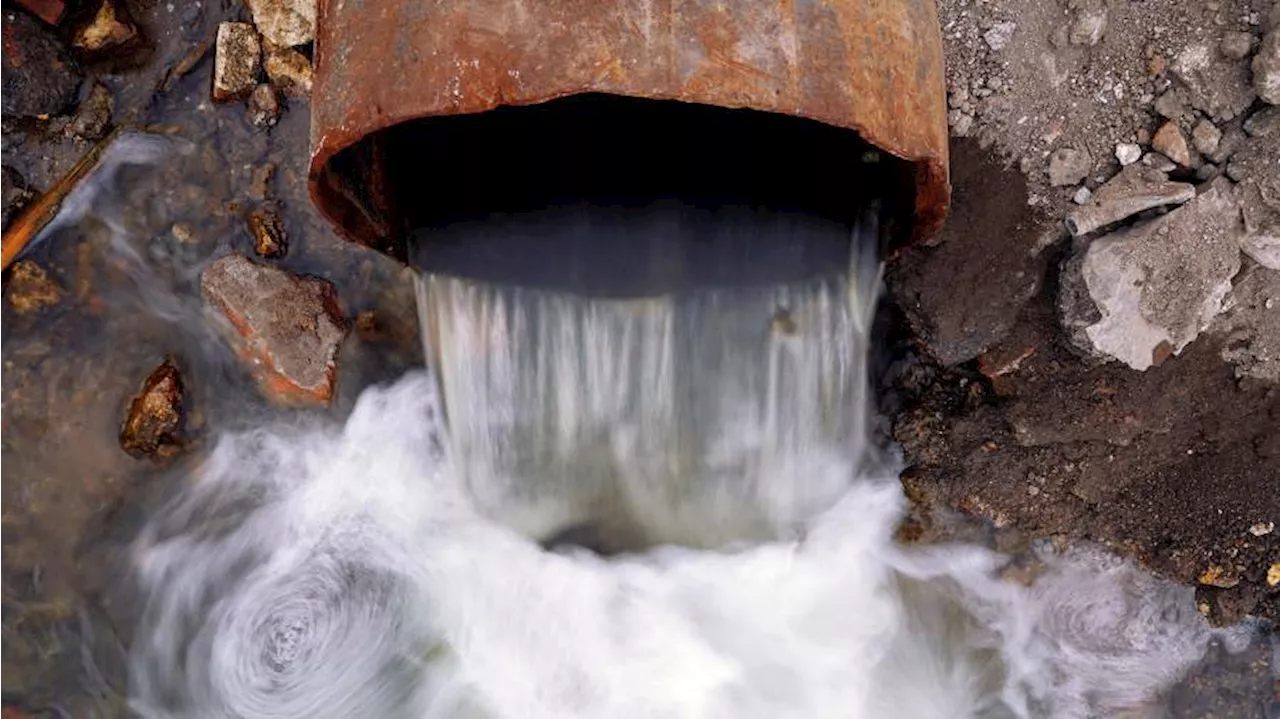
<point x="1000" y="412"/>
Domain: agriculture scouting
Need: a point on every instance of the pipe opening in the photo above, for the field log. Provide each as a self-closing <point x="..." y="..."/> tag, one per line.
<point x="572" y="193"/>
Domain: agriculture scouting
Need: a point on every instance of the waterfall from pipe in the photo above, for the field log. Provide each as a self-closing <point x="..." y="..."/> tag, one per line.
<point x="662" y="507"/>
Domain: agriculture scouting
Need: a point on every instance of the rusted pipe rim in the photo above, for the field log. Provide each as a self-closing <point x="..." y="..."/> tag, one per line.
<point x="871" y="67"/>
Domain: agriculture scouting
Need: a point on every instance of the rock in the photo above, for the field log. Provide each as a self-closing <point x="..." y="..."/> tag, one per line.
<point x="961" y="123"/>
<point x="108" y="29"/>
<point x="1134" y="189"/>
<point x="269" y="237"/>
<point x="1156" y="161"/>
<point x="237" y="59"/>
<point x="1266" y="69"/>
<point x="264" y="106"/>
<point x="999" y="35"/>
<point x="285" y="328"/>
<point x="30" y="289"/>
<point x="153" y="424"/>
<point x="1088" y="26"/>
<point x="1205" y="136"/>
<point x="1261" y="240"/>
<point x="1128" y="153"/>
<point x="287" y="23"/>
<point x="1172" y="104"/>
<point x="1082" y="195"/>
<point x="1068" y="166"/>
<point x="1142" y="294"/>
<point x="49" y="11"/>
<point x="1263" y="123"/>
<point x="15" y="193"/>
<point x="1250" y="327"/>
<point x="1219" y="89"/>
<point x="289" y="70"/>
<point x="1236" y="45"/>
<point x="1169" y="141"/>
<point x="39" y="78"/>
<point x="93" y="117"/>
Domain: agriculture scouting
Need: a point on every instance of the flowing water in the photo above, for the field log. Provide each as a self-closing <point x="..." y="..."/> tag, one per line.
<point x="663" y="507"/>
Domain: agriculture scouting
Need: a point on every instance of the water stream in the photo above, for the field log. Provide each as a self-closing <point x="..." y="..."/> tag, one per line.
<point x="663" y="507"/>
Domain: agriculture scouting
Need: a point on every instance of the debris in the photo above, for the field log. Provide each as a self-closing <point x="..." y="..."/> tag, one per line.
<point x="1169" y="141"/>
<point x="264" y="106"/>
<point x="1172" y="104"/>
<point x="1220" y="577"/>
<point x="152" y="425"/>
<point x="1134" y="189"/>
<point x="93" y="117"/>
<point x="1219" y="89"/>
<point x="15" y="193"/>
<point x="1266" y="68"/>
<point x="287" y="23"/>
<point x="286" y="328"/>
<point x="961" y="123"/>
<point x="1273" y="575"/>
<point x="108" y="29"/>
<point x="180" y="69"/>
<point x="36" y="215"/>
<point x="1088" y="27"/>
<point x="1236" y="45"/>
<point x="289" y="70"/>
<point x="1262" y="529"/>
<point x="999" y="35"/>
<point x="269" y="237"/>
<point x="236" y="61"/>
<point x="1128" y="153"/>
<point x="30" y="289"/>
<point x="1250" y="327"/>
<point x="39" y="78"/>
<point x="1206" y="136"/>
<point x="49" y="11"/>
<point x="1263" y="123"/>
<point x="1068" y="166"/>
<point x="1082" y="195"/>
<point x="1142" y="294"/>
<point x="260" y="183"/>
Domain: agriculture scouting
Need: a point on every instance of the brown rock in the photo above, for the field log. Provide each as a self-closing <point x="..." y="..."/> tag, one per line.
<point x="153" y="425"/>
<point x="287" y="23"/>
<point x="30" y="289"/>
<point x="264" y="106"/>
<point x="289" y="70"/>
<point x="93" y="117"/>
<point x="285" y="328"/>
<point x="108" y="29"/>
<point x="237" y="59"/>
<point x="269" y="237"/>
<point x="50" y="11"/>
<point x="1169" y="140"/>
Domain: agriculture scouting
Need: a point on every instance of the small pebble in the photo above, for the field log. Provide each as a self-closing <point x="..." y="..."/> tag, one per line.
<point x="1128" y="153"/>
<point x="1082" y="196"/>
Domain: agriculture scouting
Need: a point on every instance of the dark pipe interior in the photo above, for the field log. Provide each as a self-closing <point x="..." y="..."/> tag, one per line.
<point x="610" y="195"/>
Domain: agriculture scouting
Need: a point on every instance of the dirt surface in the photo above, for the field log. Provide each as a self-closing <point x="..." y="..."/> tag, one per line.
<point x="1006" y="418"/>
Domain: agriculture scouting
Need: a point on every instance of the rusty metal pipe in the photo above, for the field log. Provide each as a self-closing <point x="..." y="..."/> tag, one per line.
<point x="870" y="66"/>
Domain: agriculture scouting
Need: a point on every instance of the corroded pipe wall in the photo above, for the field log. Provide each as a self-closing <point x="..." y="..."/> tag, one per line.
<point x="873" y="66"/>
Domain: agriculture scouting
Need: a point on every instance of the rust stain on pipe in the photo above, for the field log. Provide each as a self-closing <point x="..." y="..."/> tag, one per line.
<point x="872" y="66"/>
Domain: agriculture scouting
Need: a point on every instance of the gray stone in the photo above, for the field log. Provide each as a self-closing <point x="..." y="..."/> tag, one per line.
<point x="39" y="77"/>
<point x="286" y="329"/>
<point x="1142" y="294"/>
<point x="1135" y="189"/>
<point x="1266" y="69"/>
<point x="1173" y="104"/>
<point x="1236" y="45"/>
<point x="1261" y="239"/>
<point x="236" y="62"/>
<point x="1156" y="161"/>
<point x="1221" y="90"/>
<point x="287" y="23"/>
<point x="1068" y="166"/>
<point x="1264" y="123"/>
<point x="1088" y="26"/>
<point x="1206" y="136"/>
<point x="1082" y="195"/>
